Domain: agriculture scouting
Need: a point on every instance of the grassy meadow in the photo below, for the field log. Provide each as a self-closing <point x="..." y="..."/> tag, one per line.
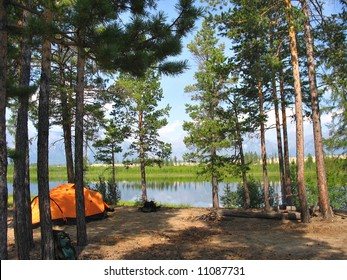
<point x="167" y="174"/>
<point x="182" y="173"/>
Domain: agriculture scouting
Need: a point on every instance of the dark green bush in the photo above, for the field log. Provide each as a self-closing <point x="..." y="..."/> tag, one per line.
<point x="109" y="191"/>
<point x="237" y="199"/>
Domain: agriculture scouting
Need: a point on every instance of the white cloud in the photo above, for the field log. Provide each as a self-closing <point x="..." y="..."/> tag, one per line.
<point x="173" y="133"/>
<point x="171" y="130"/>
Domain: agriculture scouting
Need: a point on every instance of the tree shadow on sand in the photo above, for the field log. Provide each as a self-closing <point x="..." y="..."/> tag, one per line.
<point x="181" y="234"/>
<point x="227" y="238"/>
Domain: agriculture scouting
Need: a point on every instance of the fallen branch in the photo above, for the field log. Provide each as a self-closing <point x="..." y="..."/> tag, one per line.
<point x="263" y="215"/>
<point x="342" y="213"/>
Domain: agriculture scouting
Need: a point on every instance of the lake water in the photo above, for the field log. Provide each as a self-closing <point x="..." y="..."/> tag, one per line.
<point x="196" y="194"/>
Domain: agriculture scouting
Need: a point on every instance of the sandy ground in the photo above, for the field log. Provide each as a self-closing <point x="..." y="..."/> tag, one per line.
<point x="195" y="233"/>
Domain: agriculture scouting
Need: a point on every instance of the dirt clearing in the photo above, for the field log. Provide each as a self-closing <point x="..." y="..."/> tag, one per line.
<point x="200" y="233"/>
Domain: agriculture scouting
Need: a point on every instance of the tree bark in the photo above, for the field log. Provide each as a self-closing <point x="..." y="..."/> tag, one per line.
<point x="288" y="183"/>
<point x="3" y="144"/>
<point x="261" y="215"/>
<point x="244" y="176"/>
<point x="79" y="170"/>
<point x="263" y="148"/>
<point x="21" y="182"/>
<point x="215" y="196"/>
<point x="300" y="160"/>
<point x="243" y="163"/>
<point x="47" y="245"/>
<point x="323" y="196"/>
<point x="113" y="155"/>
<point x="67" y="126"/>
<point x="277" y="123"/>
<point x="279" y="141"/>
<point x="142" y="160"/>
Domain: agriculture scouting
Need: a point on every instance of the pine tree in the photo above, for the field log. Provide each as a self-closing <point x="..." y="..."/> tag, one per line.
<point x="21" y="180"/>
<point x="3" y="144"/>
<point x="138" y="108"/>
<point x="109" y="146"/>
<point x="246" y="25"/>
<point x="300" y="160"/>
<point x="207" y="137"/>
<point x="323" y="196"/>
<point x="47" y="245"/>
<point x="332" y="55"/>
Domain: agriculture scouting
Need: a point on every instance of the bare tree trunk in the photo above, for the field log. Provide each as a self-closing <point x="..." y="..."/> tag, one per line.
<point x="243" y="163"/>
<point x="21" y="184"/>
<point x="215" y="196"/>
<point x="289" y="196"/>
<point x="79" y="176"/>
<point x="263" y="149"/>
<point x="323" y="196"/>
<point x="3" y="144"/>
<point x="68" y="148"/>
<point x="244" y="177"/>
<point x="279" y="141"/>
<point x="142" y="161"/>
<point x="300" y="160"/>
<point x="277" y="120"/>
<point x="47" y="246"/>
<point x="113" y="166"/>
<point x="63" y="55"/>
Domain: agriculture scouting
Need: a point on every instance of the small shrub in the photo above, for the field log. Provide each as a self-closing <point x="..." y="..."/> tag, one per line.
<point x="229" y="199"/>
<point x="109" y="191"/>
<point x="237" y="199"/>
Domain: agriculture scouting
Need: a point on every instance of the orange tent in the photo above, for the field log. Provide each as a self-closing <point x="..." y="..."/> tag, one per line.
<point x="63" y="205"/>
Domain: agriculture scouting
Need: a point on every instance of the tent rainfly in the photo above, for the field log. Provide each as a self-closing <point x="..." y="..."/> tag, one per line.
<point x="63" y="205"/>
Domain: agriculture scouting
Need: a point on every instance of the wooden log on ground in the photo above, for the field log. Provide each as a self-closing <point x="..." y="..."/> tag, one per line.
<point x="262" y="215"/>
<point x="342" y="213"/>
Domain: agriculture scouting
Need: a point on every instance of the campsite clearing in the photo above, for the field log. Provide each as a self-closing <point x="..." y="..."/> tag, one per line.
<point x="199" y="233"/>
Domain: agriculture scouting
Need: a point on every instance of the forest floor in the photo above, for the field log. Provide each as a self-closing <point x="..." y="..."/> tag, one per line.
<point x="200" y="233"/>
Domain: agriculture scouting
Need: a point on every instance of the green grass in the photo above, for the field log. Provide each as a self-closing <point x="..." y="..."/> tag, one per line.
<point x="165" y="173"/>
<point x="93" y="172"/>
<point x="10" y="200"/>
<point x="181" y="173"/>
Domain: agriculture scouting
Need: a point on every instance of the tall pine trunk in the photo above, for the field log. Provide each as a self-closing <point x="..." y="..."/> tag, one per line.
<point x="244" y="176"/>
<point x="243" y="163"/>
<point x="214" y="178"/>
<point x="277" y="120"/>
<point x="47" y="245"/>
<point x="323" y="196"/>
<point x="300" y="159"/>
<point x="3" y="144"/>
<point x="79" y="170"/>
<point x="263" y="148"/>
<point x="288" y="182"/>
<point x="67" y="127"/>
<point x="279" y="141"/>
<point x="21" y="180"/>
<point x="113" y="165"/>
<point x="215" y="195"/>
<point x="142" y="160"/>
